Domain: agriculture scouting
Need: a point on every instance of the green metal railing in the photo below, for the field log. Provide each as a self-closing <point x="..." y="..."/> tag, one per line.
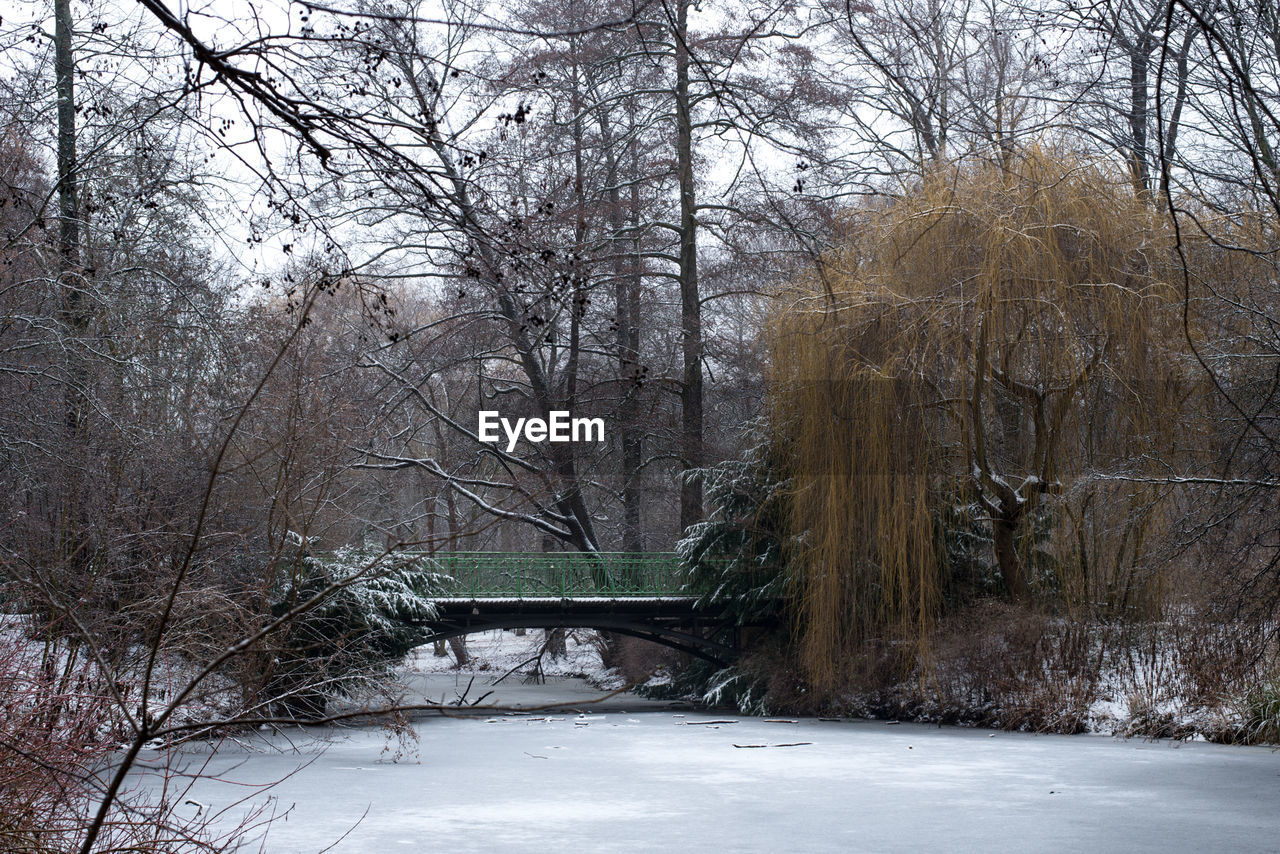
<point x="560" y="574"/>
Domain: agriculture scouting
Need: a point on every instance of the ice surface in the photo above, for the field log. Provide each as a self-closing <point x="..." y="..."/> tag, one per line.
<point x="629" y="778"/>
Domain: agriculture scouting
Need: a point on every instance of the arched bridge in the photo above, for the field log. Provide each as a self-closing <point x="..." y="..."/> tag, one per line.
<point x="632" y="593"/>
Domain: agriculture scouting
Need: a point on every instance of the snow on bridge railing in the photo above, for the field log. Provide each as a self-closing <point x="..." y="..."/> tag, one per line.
<point x="519" y="575"/>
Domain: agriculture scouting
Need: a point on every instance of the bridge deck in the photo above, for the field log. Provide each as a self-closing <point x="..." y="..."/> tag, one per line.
<point x="562" y="601"/>
<point x="560" y="575"/>
<point x="640" y="594"/>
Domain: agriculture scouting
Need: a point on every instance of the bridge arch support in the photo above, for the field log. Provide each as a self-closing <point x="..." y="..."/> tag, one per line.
<point x="672" y="622"/>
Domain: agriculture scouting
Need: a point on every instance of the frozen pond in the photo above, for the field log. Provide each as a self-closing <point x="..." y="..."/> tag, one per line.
<point x="634" y="777"/>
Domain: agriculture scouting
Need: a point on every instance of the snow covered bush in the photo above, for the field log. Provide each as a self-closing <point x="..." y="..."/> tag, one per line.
<point x="735" y="562"/>
<point x="358" y="614"/>
<point x="734" y="559"/>
<point x="48" y="737"/>
<point x="60" y="729"/>
<point x="1258" y="712"/>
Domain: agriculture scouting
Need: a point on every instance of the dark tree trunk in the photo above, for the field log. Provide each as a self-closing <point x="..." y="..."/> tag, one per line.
<point x="75" y="531"/>
<point x="68" y="198"/>
<point x="627" y="272"/>
<point x="460" y="654"/>
<point x="1138" y="107"/>
<point x="690" y="304"/>
<point x="70" y="274"/>
<point x="1011" y="569"/>
<point x="555" y="644"/>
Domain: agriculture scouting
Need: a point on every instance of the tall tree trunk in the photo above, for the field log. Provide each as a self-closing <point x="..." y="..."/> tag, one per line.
<point x="71" y="285"/>
<point x="1173" y="123"/>
<point x="633" y="439"/>
<point x="68" y="201"/>
<point x="69" y="270"/>
<point x="1011" y="570"/>
<point x="690" y="304"/>
<point x="1138" y="107"/>
<point x="626" y="293"/>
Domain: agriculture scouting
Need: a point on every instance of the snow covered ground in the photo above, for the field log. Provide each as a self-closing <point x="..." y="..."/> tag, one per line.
<point x="501" y="652"/>
<point x="632" y="776"/>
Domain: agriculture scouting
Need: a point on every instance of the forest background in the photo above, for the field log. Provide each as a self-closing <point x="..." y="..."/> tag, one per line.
<point x="952" y="323"/>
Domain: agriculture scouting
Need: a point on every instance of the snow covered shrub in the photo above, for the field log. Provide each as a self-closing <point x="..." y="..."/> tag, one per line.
<point x="1258" y="715"/>
<point x="993" y="664"/>
<point x="765" y="680"/>
<point x="1148" y="719"/>
<point x="58" y="723"/>
<point x="736" y="688"/>
<point x="734" y="559"/>
<point x="357" y="616"/>
<point x="966" y="538"/>
<point x="48" y="739"/>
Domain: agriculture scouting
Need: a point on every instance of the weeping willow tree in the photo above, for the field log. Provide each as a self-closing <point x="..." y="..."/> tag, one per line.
<point x="991" y="351"/>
